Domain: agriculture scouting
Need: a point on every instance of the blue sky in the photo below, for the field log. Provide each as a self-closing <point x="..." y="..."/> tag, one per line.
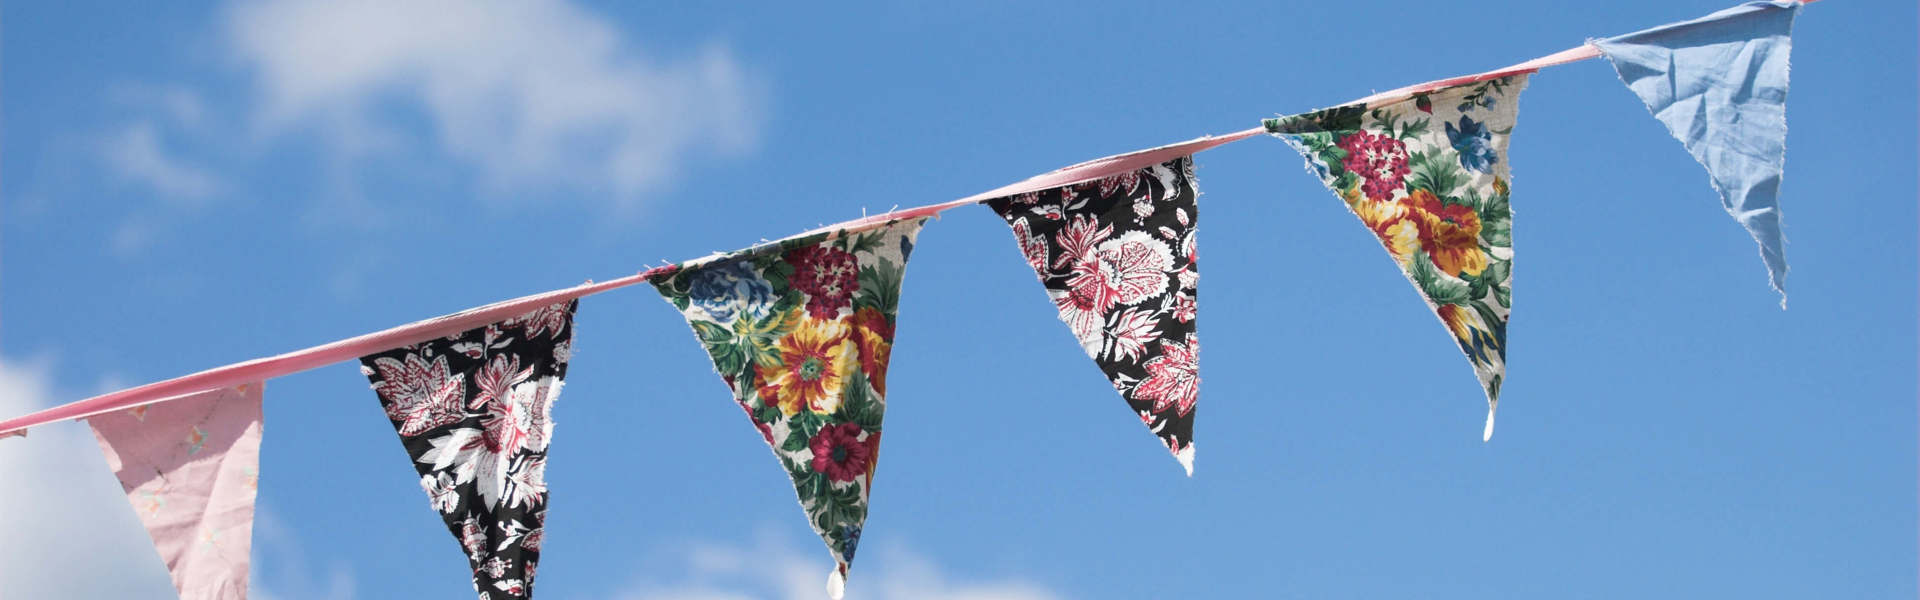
<point x="189" y="186"/>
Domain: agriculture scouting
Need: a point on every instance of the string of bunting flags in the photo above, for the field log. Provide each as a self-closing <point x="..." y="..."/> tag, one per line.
<point x="801" y="330"/>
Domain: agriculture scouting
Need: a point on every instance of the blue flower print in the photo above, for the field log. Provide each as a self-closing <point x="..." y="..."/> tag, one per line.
<point x="1474" y="143"/>
<point x="722" y="289"/>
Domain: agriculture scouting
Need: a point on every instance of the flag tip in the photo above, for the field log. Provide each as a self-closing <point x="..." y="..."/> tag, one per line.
<point x="836" y="584"/>
<point x="1185" y="456"/>
<point x="1487" y="435"/>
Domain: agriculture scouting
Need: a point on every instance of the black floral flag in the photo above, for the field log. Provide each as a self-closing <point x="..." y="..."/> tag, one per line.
<point x="1117" y="258"/>
<point x="472" y="410"/>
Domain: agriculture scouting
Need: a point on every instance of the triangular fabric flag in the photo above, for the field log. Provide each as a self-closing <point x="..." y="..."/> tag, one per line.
<point x="1428" y="176"/>
<point x="1117" y="258"/>
<point x="802" y="330"/>
<point x="473" y="411"/>
<point x="191" y="467"/>
<point x="1719" y="83"/>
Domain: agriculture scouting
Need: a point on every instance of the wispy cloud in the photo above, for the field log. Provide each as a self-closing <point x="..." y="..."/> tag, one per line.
<point x="136" y="155"/>
<point x="772" y="568"/>
<point x="83" y="539"/>
<point x="180" y="104"/>
<point x="282" y="569"/>
<point x="73" y="534"/>
<point x="531" y="94"/>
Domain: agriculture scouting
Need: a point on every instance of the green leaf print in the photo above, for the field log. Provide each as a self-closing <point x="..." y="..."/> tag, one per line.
<point x="1437" y="171"/>
<point x="858" y="404"/>
<point x="879" y="287"/>
<point x="728" y="357"/>
<point x="1442" y="289"/>
<point x="778" y="273"/>
<point x="758" y="337"/>
<point x="864" y="242"/>
<point x="795" y="442"/>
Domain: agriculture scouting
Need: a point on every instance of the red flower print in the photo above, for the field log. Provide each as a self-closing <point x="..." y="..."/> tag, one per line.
<point x="1450" y="233"/>
<point x="1130" y="333"/>
<point x="473" y="536"/>
<point x="508" y="420"/>
<point x="873" y="339"/>
<point x="829" y="277"/>
<point x="1173" y="377"/>
<point x="838" y="452"/>
<point x="1032" y="246"/>
<point x="766" y="431"/>
<point x="511" y="587"/>
<point x="1184" y="306"/>
<point x="497" y="379"/>
<point x="1125" y="270"/>
<point x="1379" y="160"/>
<point x="495" y="566"/>
<point x="1122" y="183"/>
<point x="540" y="411"/>
<point x="1078" y="239"/>
<point x="548" y="319"/>
<point x="420" y="395"/>
<point x="1077" y="310"/>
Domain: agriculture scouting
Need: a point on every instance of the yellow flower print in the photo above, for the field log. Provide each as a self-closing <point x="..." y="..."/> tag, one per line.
<point x="814" y="360"/>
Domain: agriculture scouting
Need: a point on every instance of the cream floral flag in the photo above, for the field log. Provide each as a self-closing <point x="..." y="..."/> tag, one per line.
<point x="802" y="331"/>
<point x="1429" y="178"/>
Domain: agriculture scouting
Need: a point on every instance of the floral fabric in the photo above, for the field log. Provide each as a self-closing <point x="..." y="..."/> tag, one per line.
<point x="1117" y="258"/>
<point x="801" y="330"/>
<point x="1428" y="176"/>
<point x="191" y="468"/>
<point x="473" y="411"/>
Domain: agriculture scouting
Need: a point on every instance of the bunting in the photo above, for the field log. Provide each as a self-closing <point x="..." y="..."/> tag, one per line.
<point x="1117" y="258"/>
<point x="191" y="467"/>
<point x="473" y="412"/>
<point x="802" y="330"/>
<point x="1719" y="84"/>
<point x="1429" y="177"/>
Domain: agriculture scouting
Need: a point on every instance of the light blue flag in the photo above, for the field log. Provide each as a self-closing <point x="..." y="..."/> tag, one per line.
<point x="1719" y="83"/>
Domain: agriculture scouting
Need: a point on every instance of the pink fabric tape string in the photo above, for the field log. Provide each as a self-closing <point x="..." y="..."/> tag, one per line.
<point x="261" y="369"/>
<point x="1080" y="173"/>
<point x="412" y="333"/>
<point x="1562" y="57"/>
<point x="1570" y="55"/>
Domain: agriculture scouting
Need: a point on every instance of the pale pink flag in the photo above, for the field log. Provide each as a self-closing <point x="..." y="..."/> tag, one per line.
<point x="190" y="467"/>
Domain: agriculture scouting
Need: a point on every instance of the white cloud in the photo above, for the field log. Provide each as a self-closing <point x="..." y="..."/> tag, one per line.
<point x="773" y="568"/>
<point x="530" y="93"/>
<point x="135" y="154"/>
<point x="83" y="539"/>
<point x="72" y="534"/>
<point x="180" y="104"/>
<point x="131" y="237"/>
<point x="282" y="570"/>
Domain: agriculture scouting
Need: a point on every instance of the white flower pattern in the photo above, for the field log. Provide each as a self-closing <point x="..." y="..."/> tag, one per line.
<point x="474" y="413"/>
<point x="1117" y="258"/>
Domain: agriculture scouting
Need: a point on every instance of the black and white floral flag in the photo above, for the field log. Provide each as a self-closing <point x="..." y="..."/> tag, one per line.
<point x="472" y="410"/>
<point x="1117" y="258"/>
